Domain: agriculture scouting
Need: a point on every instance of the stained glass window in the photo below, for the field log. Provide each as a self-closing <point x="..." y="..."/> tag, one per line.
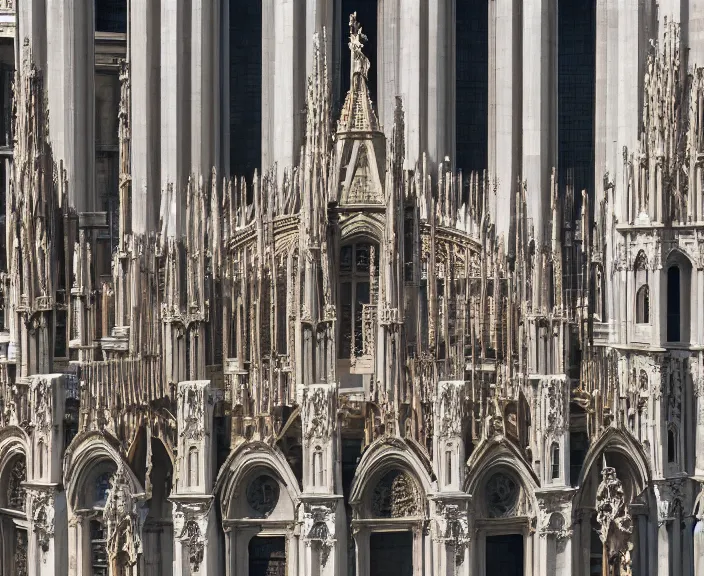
<point x="102" y="485"/>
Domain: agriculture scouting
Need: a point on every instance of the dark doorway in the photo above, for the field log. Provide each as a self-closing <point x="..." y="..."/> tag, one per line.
<point x="391" y="554"/>
<point x="504" y="555"/>
<point x="267" y="556"/>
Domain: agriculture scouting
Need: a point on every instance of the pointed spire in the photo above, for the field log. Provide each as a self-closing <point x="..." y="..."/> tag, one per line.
<point x="357" y="112"/>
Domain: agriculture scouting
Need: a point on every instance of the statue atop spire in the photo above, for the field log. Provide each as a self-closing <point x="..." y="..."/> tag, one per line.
<point x="357" y="112"/>
<point x="360" y="63"/>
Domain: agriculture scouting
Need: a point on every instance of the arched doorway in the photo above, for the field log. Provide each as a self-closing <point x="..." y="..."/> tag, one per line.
<point x="503" y="510"/>
<point x="388" y="524"/>
<point x="157" y="533"/>
<point x="13" y="515"/>
<point x="612" y="474"/>
<point x="259" y="496"/>
<point x="105" y="501"/>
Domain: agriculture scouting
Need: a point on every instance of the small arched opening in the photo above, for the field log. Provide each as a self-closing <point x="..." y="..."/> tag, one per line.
<point x="643" y="305"/>
<point x="13" y="519"/>
<point x="678" y="273"/>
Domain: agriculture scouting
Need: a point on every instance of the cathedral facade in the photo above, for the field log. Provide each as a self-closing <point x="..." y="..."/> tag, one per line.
<point x="352" y="288"/>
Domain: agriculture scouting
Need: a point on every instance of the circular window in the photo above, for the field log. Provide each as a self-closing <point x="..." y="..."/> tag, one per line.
<point x="501" y="495"/>
<point x="263" y="495"/>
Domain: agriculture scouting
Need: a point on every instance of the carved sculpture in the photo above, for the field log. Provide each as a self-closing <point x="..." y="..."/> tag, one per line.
<point x="124" y="542"/>
<point x="615" y="522"/>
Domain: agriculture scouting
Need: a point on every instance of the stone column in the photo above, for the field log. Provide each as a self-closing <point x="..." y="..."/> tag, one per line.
<point x="283" y="81"/>
<point x="505" y="89"/>
<point x="324" y="532"/>
<point x="695" y="34"/>
<point x="629" y="84"/>
<point x="195" y="521"/>
<point x="46" y="501"/>
<point x="411" y="61"/>
<point x="174" y="149"/>
<point x="71" y="96"/>
<point x="144" y="48"/>
<point x="539" y="115"/>
<point x="205" y="99"/>
<point x="699" y="548"/>
<point x="452" y="534"/>
<point x="388" y="50"/>
<point x="555" y="532"/>
<point x="441" y="81"/>
<point x="31" y="25"/>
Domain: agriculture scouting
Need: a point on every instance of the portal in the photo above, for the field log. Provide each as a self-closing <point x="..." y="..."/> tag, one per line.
<point x="267" y="556"/>
<point x="391" y="554"/>
<point x="504" y="555"/>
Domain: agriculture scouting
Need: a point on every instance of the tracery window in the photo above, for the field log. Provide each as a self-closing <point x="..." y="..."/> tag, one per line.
<point x="358" y="274"/>
<point x="395" y="496"/>
<point x="101" y="487"/>
<point x="502" y="495"/>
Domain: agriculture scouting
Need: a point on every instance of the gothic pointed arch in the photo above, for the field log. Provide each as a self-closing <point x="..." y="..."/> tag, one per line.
<point x="390" y="455"/>
<point x="13" y="467"/>
<point x="621" y="442"/>
<point x="246" y="465"/>
<point x="87" y="451"/>
<point x="496" y="460"/>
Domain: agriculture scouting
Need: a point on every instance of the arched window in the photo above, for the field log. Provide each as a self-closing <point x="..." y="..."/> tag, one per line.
<point x="643" y="305"/>
<point x="555" y="460"/>
<point x="193" y="467"/>
<point x="673" y="304"/>
<point x="671" y="445"/>
<point x="358" y="272"/>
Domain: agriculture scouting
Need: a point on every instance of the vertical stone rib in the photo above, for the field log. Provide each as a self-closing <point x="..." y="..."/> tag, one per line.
<point x="145" y="39"/>
<point x="174" y="62"/>
<point x="505" y="110"/>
